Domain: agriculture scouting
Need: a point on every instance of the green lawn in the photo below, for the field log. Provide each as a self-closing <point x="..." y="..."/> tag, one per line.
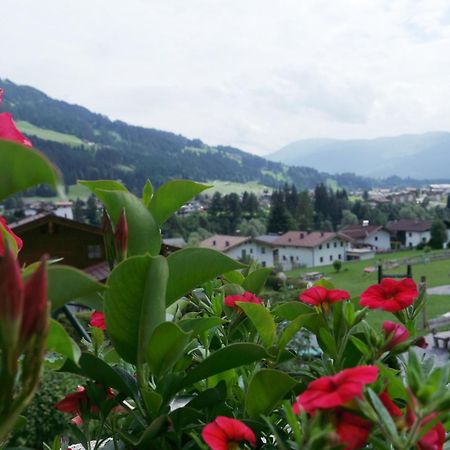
<point x="228" y="187"/>
<point x="353" y="279"/>
<point x="31" y="130"/>
<point x="75" y="191"/>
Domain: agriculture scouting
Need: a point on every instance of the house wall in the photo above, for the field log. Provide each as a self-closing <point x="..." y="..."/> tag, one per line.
<point x="380" y="240"/>
<point x="78" y="248"/>
<point x="325" y="254"/>
<point x="261" y="253"/>
<point x="414" y="238"/>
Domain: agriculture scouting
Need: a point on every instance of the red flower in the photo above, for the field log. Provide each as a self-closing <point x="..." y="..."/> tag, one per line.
<point x="395" y="334"/>
<point x="75" y="402"/>
<point x="79" y="402"/>
<point x="353" y="431"/>
<point x="390" y="295"/>
<point x="8" y="129"/>
<point x="225" y="433"/>
<point x="98" y="320"/>
<point x="434" y="438"/>
<point x="337" y="390"/>
<point x="318" y="296"/>
<point x="11" y="233"/>
<point x="421" y="342"/>
<point x="247" y="297"/>
<point x="391" y="407"/>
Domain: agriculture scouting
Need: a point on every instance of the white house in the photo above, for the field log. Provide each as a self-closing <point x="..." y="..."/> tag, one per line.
<point x="244" y="248"/>
<point x="237" y="247"/>
<point x="410" y="233"/>
<point x="372" y="236"/>
<point x="309" y="248"/>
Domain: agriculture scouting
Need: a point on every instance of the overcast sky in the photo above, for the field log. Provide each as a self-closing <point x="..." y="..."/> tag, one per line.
<point x="256" y="74"/>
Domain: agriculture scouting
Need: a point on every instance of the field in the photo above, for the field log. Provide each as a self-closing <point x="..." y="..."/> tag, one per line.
<point x="353" y="279"/>
<point x="75" y="191"/>
<point x="49" y="135"/>
<point x="228" y="187"/>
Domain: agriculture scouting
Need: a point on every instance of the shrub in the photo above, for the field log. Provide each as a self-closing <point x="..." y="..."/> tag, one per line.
<point x="337" y="265"/>
<point x="275" y="283"/>
<point x="44" y="422"/>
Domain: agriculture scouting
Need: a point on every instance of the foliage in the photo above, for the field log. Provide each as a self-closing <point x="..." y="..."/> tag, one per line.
<point x="439" y="236"/>
<point x="337" y="265"/>
<point x="43" y="421"/>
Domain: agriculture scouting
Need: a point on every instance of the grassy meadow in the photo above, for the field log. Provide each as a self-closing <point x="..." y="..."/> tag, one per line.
<point x="353" y="279"/>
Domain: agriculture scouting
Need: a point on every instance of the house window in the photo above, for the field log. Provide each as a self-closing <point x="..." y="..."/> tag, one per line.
<point x="410" y="234"/>
<point x="340" y="256"/>
<point x="297" y="258"/>
<point x="331" y="257"/>
<point x="410" y="244"/>
<point x="94" y="251"/>
<point x="251" y="251"/>
<point x="376" y="238"/>
<point x="284" y="257"/>
<point x="335" y="244"/>
<point x="320" y="247"/>
<point x="342" y="243"/>
<point x="424" y="239"/>
<point x="328" y="245"/>
<point x="321" y="259"/>
<point x="243" y="253"/>
<point x="263" y="250"/>
<point x="263" y="263"/>
<point x="292" y="259"/>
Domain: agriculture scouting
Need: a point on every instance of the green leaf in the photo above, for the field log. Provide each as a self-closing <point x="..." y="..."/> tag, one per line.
<point x="59" y="341"/>
<point x="191" y="267"/>
<point x="96" y="369"/>
<point x="133" y="306"/>
<point x="166" y="346"/>
<point x="291" y="310"/>
<point x="361" y="346"/>
<point x="143" y="232"/>
<point x="327" y="342"/>
<point x="22" y="168"/>
<point x="199" y="325"/>
<point x="234" y="277"/>
<point x="67" y="284"/>
<point x="266" y="390"/>
<point x="105" y="185"/>
<point x="147" y="193"/>
<point x="262" y="320"/>
<point x="226" y="358"/>
<point x="255" y="281"/>
<point x="304" y="321"/>
<point x="383" y="414"/>
<point x="171" y="196"/>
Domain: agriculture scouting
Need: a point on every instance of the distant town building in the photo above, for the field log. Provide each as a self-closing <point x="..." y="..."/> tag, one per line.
<point x="366" y="235"/>
<point x="410" y="233"/>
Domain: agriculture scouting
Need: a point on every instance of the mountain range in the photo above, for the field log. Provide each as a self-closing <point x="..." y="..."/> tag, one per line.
<point x="412" y="155"/>
<point x="87" y="145"/>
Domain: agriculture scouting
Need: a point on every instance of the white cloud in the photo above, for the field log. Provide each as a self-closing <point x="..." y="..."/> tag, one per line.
<point x="256" y="74"/>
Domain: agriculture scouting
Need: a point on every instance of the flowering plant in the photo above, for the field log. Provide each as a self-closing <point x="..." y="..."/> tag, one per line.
<point x="186" y="352"/>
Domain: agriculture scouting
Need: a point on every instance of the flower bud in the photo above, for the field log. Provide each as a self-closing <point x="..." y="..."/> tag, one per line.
<point x="395" y="334"/>
<point x="121" y="236"/>
<point x="11" y="300"/>
<point x="35" y="302"/>
<point x="108" y="239"/>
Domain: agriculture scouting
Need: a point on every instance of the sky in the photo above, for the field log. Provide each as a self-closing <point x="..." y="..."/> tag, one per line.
<point x="255" y="74"/>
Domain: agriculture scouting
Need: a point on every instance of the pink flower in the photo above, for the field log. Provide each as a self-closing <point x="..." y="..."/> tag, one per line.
<point x="353" y="431"/>
<point x="11" y="233"/>
<point x="390" y="295"/>
<point x="247" y="297"/>
<point x="395" y="334"/>
<point x="391" y="407"/>
<point x="321" y="297"/>
<point x="225" y="433"/>
<point x="98" y="320"/>
<point x="336" y="390"/>
<point x="8" y="129"/>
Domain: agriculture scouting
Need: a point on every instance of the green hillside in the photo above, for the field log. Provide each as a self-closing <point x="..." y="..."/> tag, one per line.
<point x="87" y="145"/>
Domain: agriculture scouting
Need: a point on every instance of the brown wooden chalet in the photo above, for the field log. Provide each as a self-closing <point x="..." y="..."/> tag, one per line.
<point x="78" y="244"/>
